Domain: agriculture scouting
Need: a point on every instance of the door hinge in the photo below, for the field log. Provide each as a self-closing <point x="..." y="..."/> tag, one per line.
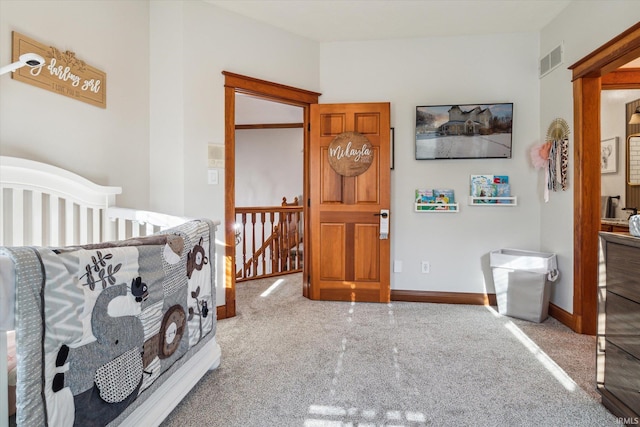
<point x="308" y="203"/>
<point x="309" y="127"/>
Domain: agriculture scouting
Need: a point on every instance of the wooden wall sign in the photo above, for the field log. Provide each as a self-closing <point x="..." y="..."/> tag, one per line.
<point x="350" y="154"/>
<point x="62" y="72"/>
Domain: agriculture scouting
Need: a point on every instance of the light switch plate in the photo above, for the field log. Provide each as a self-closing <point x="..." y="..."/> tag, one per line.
<point x="397" y="266"/>
<point x="212" y="176"/>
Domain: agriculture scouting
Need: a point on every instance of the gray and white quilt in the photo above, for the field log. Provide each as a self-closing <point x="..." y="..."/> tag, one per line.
<point x="100" y="326"/>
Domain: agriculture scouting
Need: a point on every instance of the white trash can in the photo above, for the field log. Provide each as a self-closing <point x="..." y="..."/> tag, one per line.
<point x="522" y="281"/>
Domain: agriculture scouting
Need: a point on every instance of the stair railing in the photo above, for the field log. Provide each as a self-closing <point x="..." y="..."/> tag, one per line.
<point x="270" y="241"/>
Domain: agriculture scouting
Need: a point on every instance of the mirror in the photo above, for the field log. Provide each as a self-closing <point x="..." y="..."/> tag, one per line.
<point x="633" y="159"/>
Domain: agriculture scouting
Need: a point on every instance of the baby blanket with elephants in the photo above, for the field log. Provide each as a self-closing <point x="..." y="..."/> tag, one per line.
<point x="98" y="326"/>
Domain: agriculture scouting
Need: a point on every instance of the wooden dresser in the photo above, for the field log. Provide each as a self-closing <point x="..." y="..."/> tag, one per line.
<point x="618" y="341"/>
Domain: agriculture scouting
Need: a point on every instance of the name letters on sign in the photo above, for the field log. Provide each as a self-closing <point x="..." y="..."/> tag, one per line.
<point x="61" y="73"/>
<point x="350" y="154"/>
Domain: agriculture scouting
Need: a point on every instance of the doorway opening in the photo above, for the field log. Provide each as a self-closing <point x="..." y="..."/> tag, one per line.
<point x="260" y="89"/>
<point x="597" y="70"/>
<point x="268" y="188"/>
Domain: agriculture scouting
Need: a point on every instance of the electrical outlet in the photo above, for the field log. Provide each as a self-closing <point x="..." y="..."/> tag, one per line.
<point x="425" y="266"/>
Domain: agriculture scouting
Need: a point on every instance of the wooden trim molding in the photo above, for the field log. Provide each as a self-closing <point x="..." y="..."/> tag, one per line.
<point x="561" y="316"/>
<point x="587" y="84"/>
<point x="556" y="312"/>
<point x="610" y="56"/>
<point x="221" y="312"/>
<point x="269" y="90"/>
<point x="270" y="126"/>
<point x="236" y="83"/>
<point x="623" y="78"/>
<point x="230" y="200"/>
<point x="586" y="107"/>
<point x="444" y="297"/>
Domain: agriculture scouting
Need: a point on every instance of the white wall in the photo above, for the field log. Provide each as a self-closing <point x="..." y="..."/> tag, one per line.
<point x="269" y="162"/>
<point x="216" y="40"/>
<point x="431" y="71"/>
<point x="613" y="124"/>
<point x="269" y="166"/>
<point x="212" y="40"/>
<point x="165" y="104"/>
<point x="108" y="146"/>
<point x="166" y="130"/>
<point x="165" y="94"/>
<point x="583" y="27"/>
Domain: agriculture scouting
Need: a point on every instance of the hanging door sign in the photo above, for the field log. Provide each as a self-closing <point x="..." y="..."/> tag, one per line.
<point x="61" y="73"/>
<point x="350" y="154"/>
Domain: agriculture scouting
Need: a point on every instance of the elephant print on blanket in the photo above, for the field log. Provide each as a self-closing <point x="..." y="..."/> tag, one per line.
<point x="118" y="317"/>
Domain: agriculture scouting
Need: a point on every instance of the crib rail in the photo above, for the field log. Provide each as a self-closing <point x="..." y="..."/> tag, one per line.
<point x="43" y="205"/>
<point x="124" y="223"/>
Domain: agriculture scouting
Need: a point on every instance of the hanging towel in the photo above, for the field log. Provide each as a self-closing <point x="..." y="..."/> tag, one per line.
<point x="607" y="210"/>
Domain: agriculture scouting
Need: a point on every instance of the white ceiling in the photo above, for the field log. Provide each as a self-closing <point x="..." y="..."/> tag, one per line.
<point x="356" y="20"/>
<point x="350" y="20"/>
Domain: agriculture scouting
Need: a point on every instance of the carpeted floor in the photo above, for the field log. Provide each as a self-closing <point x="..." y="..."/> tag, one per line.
<point x="289" y="361"/>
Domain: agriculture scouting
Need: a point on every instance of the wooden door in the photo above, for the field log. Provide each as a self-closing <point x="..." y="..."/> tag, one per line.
<point x="349" y="259"/>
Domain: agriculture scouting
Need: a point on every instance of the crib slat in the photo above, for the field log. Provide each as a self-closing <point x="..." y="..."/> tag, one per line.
<point x="3" y="213"/>
<point x="69" y="221"/>
<point x="54" y="221"/>
<point x="135" y="229"/>
<point x="122" y="229"/>
<point x="83" y="225"/>
<point x="18" y="218"/>
<point x="4" y="378"/>
<point x="108" y="227"/>
<point x="96" y="224"/>
<point x="36" y="218"/>
<point x="148" y="229"/>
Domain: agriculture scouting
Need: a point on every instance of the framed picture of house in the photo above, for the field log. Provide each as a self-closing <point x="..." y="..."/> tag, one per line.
<point x="464" y="131"/>
<point x="609" y="155"/>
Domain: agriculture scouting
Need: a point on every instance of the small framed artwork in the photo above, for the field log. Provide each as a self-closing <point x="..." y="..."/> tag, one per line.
<point x="609" y="155"/>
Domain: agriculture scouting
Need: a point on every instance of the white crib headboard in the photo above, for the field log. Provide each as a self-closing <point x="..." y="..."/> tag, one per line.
<point x="43" y="205"/>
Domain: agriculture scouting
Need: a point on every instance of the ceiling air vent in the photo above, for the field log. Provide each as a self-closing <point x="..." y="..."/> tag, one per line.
<point x="551" y="61"/>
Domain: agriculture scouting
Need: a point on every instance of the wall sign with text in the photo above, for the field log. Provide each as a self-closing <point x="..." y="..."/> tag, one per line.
<point x="61" y="73"/>
<point x="350" y="154"/>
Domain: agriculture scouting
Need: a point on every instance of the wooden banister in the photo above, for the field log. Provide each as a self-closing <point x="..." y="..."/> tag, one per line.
<point x="271" y="241"/>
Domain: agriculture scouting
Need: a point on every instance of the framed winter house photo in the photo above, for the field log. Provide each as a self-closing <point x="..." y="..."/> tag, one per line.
<point x="464" y="131"/>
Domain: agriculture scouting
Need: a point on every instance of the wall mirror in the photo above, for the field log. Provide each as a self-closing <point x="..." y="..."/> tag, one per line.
<point x="633" y="159"/>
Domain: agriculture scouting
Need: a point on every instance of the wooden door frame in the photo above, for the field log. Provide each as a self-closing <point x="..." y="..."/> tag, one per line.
<point x="233" y="84"/>
<point x="591" y="74"/>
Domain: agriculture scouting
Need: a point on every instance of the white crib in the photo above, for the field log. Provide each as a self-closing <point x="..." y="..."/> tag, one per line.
<point x="43" y="205"/>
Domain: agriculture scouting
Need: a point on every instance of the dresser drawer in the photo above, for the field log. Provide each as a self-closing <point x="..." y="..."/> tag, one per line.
<point x="623" y="323"/>
<point x="623" y="271"/>
<point x="622" y="376"/>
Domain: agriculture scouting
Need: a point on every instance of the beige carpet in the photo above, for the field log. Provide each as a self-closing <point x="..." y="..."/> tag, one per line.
<point x="289" y="361"/>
